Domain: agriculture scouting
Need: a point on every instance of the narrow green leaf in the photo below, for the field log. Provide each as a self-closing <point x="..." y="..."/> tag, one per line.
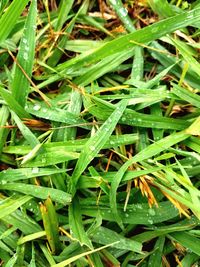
<point x="95" y="144"/>
<point x="41" y="110"/>
<point x="72" y="259"/>
<point x="12" y="175"/>
<point x="193" y="63"/>
<point x="106" y="236"/>
<point x="13" y="104"/>
<point x="155" y="259"/>
<point x="26" y="132"/>
<point x="144" y="35"/>
<point x="10" y="17"/>
<point x="187" y="240"/>
<point x="39" y="192"/>
<point x="76" y="224"/>
<point x="150" y="151"/>
<point x="20" y="84"/>
<point x="50" y="222"/>
<point x="9" y="205"/>
<point x="102" y="110"/>
<point x="31" y="237"/>
<point x="138" y="213"/>
<point x="186" y="95"/>
<point x="4" y="114"/>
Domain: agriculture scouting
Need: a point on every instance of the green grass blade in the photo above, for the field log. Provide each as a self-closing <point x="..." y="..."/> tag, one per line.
<point x="106" y="236"/>
<point x="150" y="151"/>
<point x="9" y="205"/>
<point x="48" y="158"/>
<point x="102" y="110"/>
<point x="26" y="132"/>
<point x="20" y="84"/>
<point x="138" y="213"/>
<point x="76" y="225"/>
<point x="41" y="110"/>
<point x="4" y="115"/>
<point x="64" y="9"/>
<point x="50" y="222"/>
<point x="95" y="144"/>
<point x="72" y="259"/>
<point x="144" y="35"/>
<point x="39" y="192"/>
<point x="31" y="237"/>
<point x="193" y="63"/>
<point x="10" y="17"/>
<point x="187" y="240"/>
<point x="13" y="104"/>
<point x="186" y="95"/>
<point x="156" y="258"/>
<point x="12" y="175"/>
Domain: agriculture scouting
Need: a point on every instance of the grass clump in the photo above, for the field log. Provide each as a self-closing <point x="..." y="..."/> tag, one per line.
<point x="99" y="133"/>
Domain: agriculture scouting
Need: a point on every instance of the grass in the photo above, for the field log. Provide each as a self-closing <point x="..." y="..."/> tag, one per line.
<point x="99" y="133"/>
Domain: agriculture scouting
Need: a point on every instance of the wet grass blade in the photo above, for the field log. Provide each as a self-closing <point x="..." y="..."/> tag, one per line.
<point x="102" y="110"/>
<point x="145" y="35"/>
<point x="9" y="205"/>
<point x="95" y="144"/>
<point x="50" y="222"/>
<point x="187" y="240"/>
<point x="38" y="192"/>
<point x="106" y="236"/>
<point x="135" y="214"/>
<point x="150" y="151"/>
<point x="76" y="225"/>
<point x="23" y="69"/>
<point x="13" y="104"/>
<point x="186" y="95"/>
<point x="10" y="17"/>
<point x="4" y="114"/>
<point x="28" y="135"/>
<point x="72" y="259"/>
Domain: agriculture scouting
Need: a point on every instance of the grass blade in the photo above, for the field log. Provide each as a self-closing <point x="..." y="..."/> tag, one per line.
<point x="95" y="144"/>
<point x="9" y="18"/>
<point x="9" y="205"/>
<point x="39" y="192"/>
<point x="25" y="58"/>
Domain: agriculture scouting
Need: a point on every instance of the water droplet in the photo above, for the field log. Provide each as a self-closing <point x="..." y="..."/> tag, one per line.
<point x="35" y="170"/>
<point x="112" y="142"/>
<point x="126" y="215"/>
<point x="113" y="2"/>
<point x="92" y="148"/>
<point x="139" y="206"/>
<point x="25" y="41"/>
<point x="152" y="212"/>
<point x="154" y="30"/>
<point x="150" y="221"/>
<point x="25" y="56"/>
<point x="123" y="119"/>
<point x="43" y="160"/>
<point x="90" y="157"/>
<point x="26" y="48"/>
<point x="37" y="107"/>
<point x="123" y="11"/>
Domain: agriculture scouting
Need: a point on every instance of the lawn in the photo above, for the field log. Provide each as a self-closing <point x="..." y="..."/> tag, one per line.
<point x="99" y="133"/>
